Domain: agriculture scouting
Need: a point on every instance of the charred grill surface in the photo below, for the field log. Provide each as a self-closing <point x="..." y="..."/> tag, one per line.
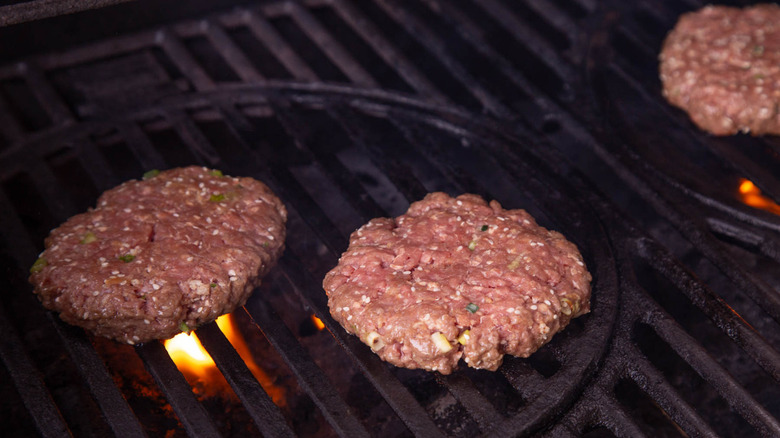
<point x="351" y="110"/>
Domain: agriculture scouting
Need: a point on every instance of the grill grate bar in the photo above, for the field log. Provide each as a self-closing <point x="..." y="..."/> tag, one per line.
<point x="96" y="166"/>
<point x="669" y="200"/>
<point x="436" y="46"/>
<point x="256" y="401"/>
<point x="113" y="405"/>
<point x="15" y="235"/>
<point x="527" y="37"/>
<point x="142" y="147"/>
<point x="477" y="405"/>
<point x="279" y="47"/>
<point x="614" y="417"/>
<point x="191" y="413"/>
<point x="377" y="372"/>
<point x="556" y="18"/>
<point x="179" y="54"/>
<point x="731" y="391"/>
<point x="48" y="98"/>
<point x="28" y="383"/>
<point x="336" y="170"/>
<point x="714" y="307"/>
<point x="654" y="384"/>
<point x="310" y="376"/>
<point x="232" y="54"/>
<point x="393" y="57"/>
<point x="334" y="50"/>
<point x="194" y="138"/>
<point x="12" y="129"/>
<point x="58" y="199"/>
<point x="395" y="175"/>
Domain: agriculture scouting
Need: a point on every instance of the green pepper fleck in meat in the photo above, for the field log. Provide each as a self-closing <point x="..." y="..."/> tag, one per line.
<point x="38" y="265"/>
<point x="127" y="258"/>
<point x="151" y="174"/>
<point x="88" y="238"/>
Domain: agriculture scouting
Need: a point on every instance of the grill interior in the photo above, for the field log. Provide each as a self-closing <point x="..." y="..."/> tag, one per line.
<point x="351" y="110"/>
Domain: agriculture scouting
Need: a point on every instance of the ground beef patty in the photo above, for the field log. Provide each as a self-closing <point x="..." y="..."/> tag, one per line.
<point x="457" y="277"/>
<point x="722" y="66"/>
<point x="161" y="255"/>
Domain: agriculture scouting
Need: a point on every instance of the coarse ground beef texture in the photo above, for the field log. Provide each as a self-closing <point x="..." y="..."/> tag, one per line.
<point x="457" y="278"/>
<point x="161" y="255"/>
<point x="722" y="65"/>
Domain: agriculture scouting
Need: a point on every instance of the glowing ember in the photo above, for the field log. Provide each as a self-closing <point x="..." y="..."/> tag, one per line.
<point x="751" y="195"/>
<point x="317" y="322"/>
<point x="195" y="363"/>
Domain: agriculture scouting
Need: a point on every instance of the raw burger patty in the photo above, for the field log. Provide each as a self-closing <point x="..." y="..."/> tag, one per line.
<point x="162" y="255"/>
<point x="457" y="277"/>
<point x="722" y="66"/>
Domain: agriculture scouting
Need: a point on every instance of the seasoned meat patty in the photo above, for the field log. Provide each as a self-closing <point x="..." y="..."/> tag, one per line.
<point x="457" y="277"/>
<point x="161" y="255"/>
<point x="722" y="65"/>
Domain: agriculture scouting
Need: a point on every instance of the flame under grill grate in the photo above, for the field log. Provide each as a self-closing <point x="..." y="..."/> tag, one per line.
<point x="684" y="333"/>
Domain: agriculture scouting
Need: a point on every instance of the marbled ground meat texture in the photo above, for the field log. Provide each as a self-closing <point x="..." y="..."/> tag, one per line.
<point x="722" y="65"/>
<point x="161" y="255"/>
<point x="457" y="278"/>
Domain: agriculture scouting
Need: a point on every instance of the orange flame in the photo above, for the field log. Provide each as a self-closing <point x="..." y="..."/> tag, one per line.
<point x="751" y="195"/>
<point x="195" y="363"/>
<point x="317" y="322"/>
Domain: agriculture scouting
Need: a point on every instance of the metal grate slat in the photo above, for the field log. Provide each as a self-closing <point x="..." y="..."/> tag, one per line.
<point x="715" y="308"/>
<point x="477" y="405"/>
<point x="525" y="36"/>
<point x="184" y="61"/>
<point x="335" y="51"/>
<point x="113" y="405"/>
<point x="303" y="131"/>
<point x="28" y="383"/>
<point x="193" y="137"/>
<point x="436" y="46"/>
<point x="191" y="413"/>
<point x="615" y="418"/>
<point x="96" y="166"/>
<point x="256" y="401"/>
<point x="286" y="55"/>
<point x="384" y="48"/>
<point x="653" y="383"/>
<point x="47" y="96"/>
<point x="731" y="391"/>
<point x="141" y="146"/>
<point x="394" y="393"/>
<point x="310" y="376"/>
<point x="232" y="54"/>
<point x="11" y="128"/>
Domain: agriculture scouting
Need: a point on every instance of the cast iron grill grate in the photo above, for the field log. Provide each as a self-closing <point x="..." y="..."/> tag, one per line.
<point x="664" y="351"/>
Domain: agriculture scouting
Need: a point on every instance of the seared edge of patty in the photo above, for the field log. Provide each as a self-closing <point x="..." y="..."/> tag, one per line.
<point x="457" y="277"/>
<point x="162" y="255"/>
